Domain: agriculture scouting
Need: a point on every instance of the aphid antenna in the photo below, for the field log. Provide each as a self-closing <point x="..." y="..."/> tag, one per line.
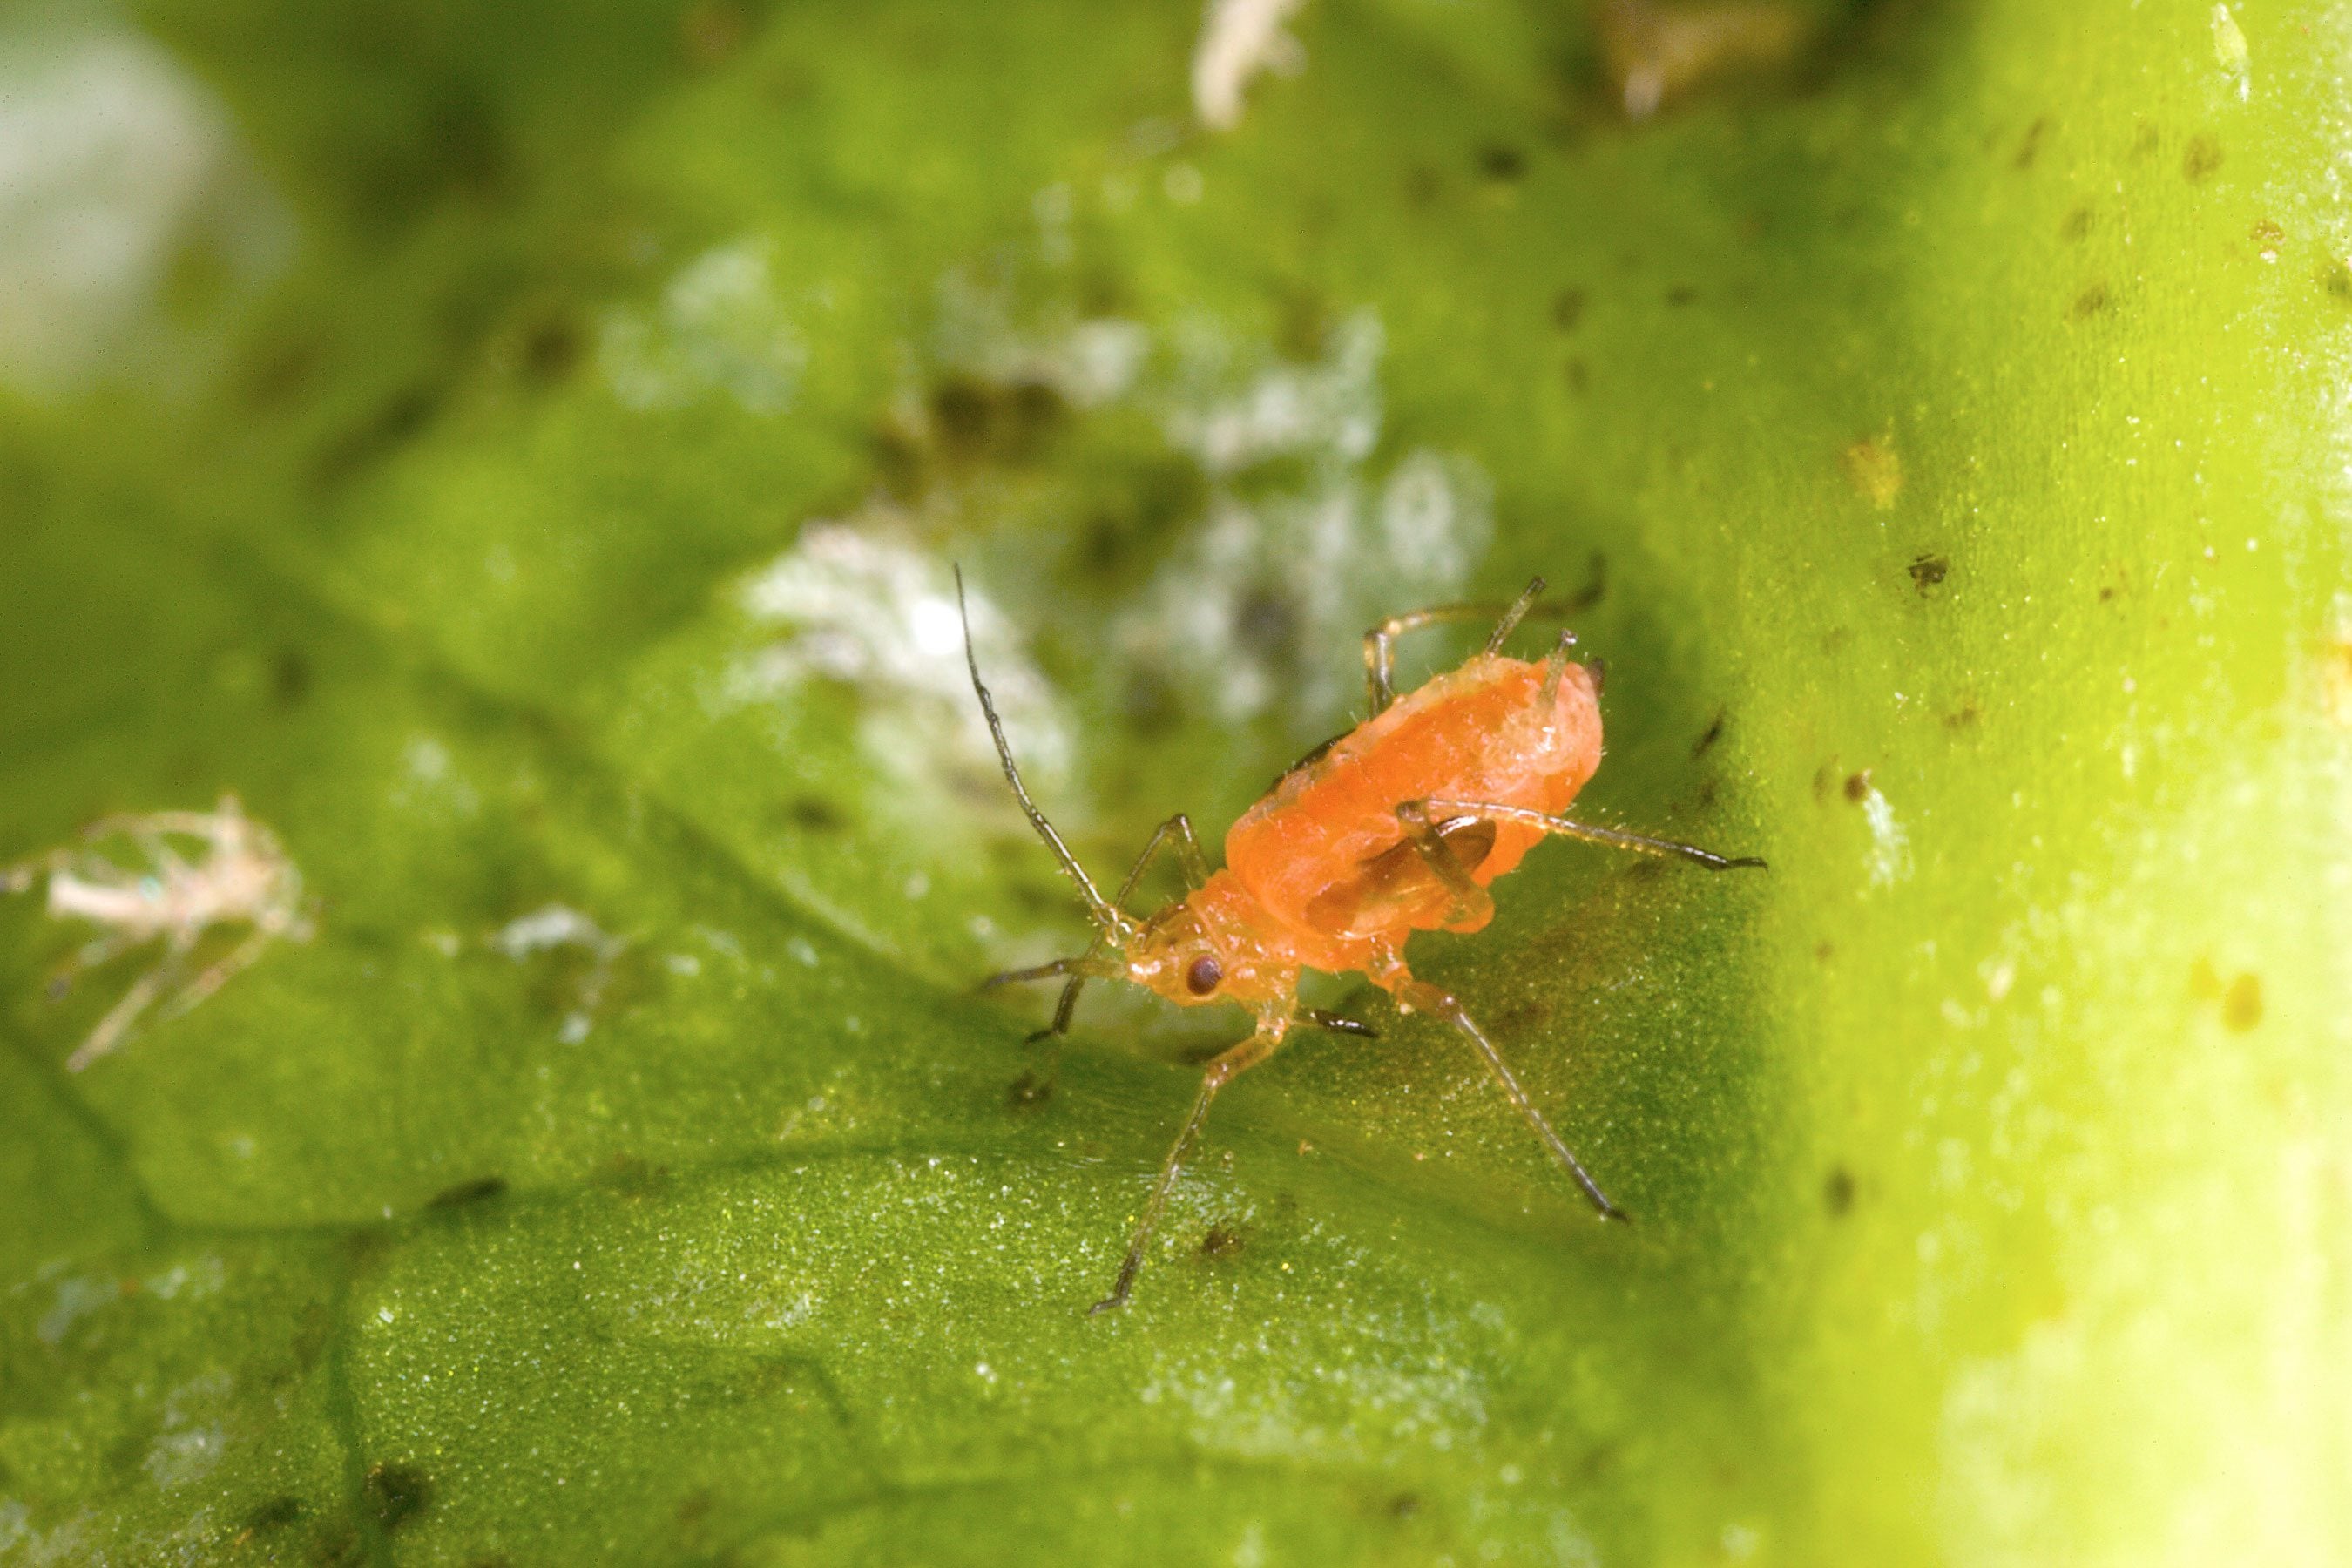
<point x="1117" y="929"/>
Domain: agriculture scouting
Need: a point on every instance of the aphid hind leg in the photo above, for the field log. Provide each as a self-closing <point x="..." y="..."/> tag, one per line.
<point x="1380" y="643"/>
<point x="1612" y="837"/>
<point x="1222" y="1070"/>
<point x="1419" y="996"/>
<point x="1427" y="835"/>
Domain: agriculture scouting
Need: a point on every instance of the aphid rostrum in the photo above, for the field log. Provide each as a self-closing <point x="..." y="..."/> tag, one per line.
<point x="244" y="876"/>
<point x="1395" y="828"/>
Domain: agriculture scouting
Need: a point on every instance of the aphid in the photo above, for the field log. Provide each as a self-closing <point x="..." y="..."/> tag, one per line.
<point x="243" y="878"/>
<point x="1394" y="827"/>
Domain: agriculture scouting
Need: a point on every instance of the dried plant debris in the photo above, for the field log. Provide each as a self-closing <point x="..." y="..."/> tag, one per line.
<point x="243" y="877"/>
<point x="1658" y="51"/>
<point x="1240" y="38"/>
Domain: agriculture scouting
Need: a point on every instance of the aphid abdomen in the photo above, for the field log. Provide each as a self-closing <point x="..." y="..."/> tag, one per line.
<point x="1315" y="853"/>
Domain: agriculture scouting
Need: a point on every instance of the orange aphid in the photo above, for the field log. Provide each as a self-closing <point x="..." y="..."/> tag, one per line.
<point x="1397" y="826"/>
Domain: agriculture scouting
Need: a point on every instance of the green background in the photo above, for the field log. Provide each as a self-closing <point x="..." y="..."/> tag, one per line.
<point x="1956" y="422"/>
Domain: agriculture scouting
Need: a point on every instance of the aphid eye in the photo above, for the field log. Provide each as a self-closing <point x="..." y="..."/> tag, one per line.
<point x="1202" y="977"/>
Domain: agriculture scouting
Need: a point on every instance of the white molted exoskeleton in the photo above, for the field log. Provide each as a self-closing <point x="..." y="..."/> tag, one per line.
<point x="243" y="877"/>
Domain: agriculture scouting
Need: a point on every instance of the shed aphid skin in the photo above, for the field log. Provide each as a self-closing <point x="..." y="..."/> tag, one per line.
<point x="1397" y="826"/>
<point x="243" y="878"/>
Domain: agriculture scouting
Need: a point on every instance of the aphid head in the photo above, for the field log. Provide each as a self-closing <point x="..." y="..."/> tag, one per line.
<point x="1173" y="955"/>
<point x="1211" y="948"/>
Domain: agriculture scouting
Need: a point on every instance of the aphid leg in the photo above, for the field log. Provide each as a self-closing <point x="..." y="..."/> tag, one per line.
<point x="1338" y="1023"/>
<point x="126" y="1012"/>
<point x="1427" y="835"/>
<point x="1612" y="837"/>
<point x="1419" y="996"/>
<point x="89" y="956"/>
<point x="1196" y="871"/>
<point x="1104" y="970"/>
<point x="219" y="975"/>
<point x="1380" y="643"/>
<point x="1222" y="1070"/>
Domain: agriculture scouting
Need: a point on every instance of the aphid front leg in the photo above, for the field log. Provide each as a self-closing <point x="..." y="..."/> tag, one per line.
<point x="1614" y="839"/>
<point x="1419" y="996"/>
<point x="1222" y="1070"/>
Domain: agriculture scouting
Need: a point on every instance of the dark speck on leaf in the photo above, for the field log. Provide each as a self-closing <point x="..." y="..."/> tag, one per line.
<point x="813" y="814"/>
<point x="2028" y="146"/>
<point x="1029" y="1092"/>
<point x="289" y="678"/>
<point x="551" y="350"/>
<point x="1567" y="309"/>
<point x="2203" y="157"/>
<point x="2077" y="224"/>
<point x="1928" y="571"/>
<point x="2091" y="301"/>
<point x="1709" y="736"/>
<point x="1266" y="623"/>
<point x="1404" y="1505"/>
<point x="1501" y="163"/>
<point x="399" y="418"/>
<point x="979" y="419"/>
<point x="1222" y="1241"/>
<point x="466" y="1193"/>
<point x="1837" y="1191"/>
<point x="2242" y="1005"/>
<point x="276" y="1514"/>
<point x="1681" y="294"/>
<point x="1857" y="786"/>
<point x="712" y="32"/>
<point x="398" y="1493"/>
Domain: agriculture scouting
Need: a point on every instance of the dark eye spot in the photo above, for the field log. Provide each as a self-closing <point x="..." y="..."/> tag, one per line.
<point x="1202" y="977"/>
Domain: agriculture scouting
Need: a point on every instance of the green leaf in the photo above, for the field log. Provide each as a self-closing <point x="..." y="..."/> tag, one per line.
<point x="551" y="543"/>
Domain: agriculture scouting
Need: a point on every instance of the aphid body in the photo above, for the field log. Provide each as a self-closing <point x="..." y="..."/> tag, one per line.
<point x="243" y="877"/>
<point x="1324" y="873"/>
<point x="1398" y="826"/>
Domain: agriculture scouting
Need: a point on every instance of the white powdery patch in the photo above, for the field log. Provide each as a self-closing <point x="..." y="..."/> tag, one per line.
<point x="860" y="603"/>
<point x="1260" y="607"/>
<point x="1239" y="39"/>
<point x="189" y="1446"/>
<point x="114" y="163"/>
<point x="1089" y="361"/>
<point x="717" y="330"/>
<point x="556" y="926"/>
<point x="1330" y="410"/>
<point x="1890" y="845"/>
